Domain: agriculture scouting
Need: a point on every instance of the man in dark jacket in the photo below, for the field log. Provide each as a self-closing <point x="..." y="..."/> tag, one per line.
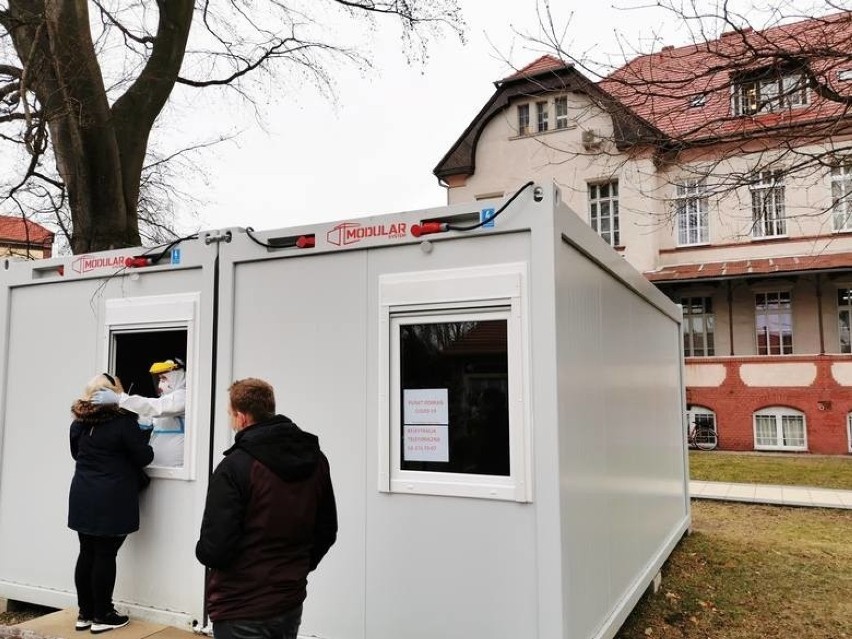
<point x="269" y="519"/>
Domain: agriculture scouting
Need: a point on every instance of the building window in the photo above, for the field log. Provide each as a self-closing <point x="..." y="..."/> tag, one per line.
<point x="523" y="119"/>
<point x="767" y="205"/>
<point x="703" y="420"/>
<point x="454" y="384"/>
<point x="769" y="90"/>
<point x="698" y="326"/>
<point x="779" y="428"/>
<point x="844" y="317"/>
<point x="691" y="206"/>
<point x="561" y="104"/>
<point x="773" y="316"/>
<point x="603" y="211"/>
<point x="541" y="115"/>
<point x="841" y="192"/>
<point x="849" y="431"/>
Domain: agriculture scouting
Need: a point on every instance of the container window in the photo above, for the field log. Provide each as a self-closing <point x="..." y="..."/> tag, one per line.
<point x="453" y="394"/>
<point x="142" y="331"/>
<point x="454" y="389"/>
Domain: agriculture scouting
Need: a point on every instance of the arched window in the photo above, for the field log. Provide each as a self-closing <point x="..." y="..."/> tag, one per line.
<point x="780" y="428"/>
<point x="701" y="426"/>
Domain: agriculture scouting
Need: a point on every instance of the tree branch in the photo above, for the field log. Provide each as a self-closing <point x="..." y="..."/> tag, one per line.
<point x="118" y="25"/>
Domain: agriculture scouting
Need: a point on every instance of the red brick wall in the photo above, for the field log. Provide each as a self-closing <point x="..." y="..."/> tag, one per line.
<point x="735" y="403"/>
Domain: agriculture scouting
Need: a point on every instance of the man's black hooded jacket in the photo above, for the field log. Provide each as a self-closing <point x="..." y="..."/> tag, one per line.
<point x="270" y="518"/>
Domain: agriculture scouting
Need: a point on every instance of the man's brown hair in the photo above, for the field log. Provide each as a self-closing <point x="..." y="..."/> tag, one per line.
<point x="253" y="397"/>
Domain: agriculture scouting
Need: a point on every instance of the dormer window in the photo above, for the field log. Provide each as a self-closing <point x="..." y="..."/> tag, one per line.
<point x="769" y="90"/>
<point x="698" y="100"/>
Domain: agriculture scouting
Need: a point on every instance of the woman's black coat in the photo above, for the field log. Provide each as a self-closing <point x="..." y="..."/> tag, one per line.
<point x="110" y="451"/>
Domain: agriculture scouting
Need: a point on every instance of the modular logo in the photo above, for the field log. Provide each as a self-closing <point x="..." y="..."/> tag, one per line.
<point x="86" y="263"/>
<point x="352" y="232"/>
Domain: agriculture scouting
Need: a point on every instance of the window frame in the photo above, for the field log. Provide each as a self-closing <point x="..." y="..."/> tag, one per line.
<point x="778" y="413"/>
<point x="560" y="107"/>
<point x="768" y="91"/>
<point x="841" y="196"/>
<point x="594" y="208"/>
<point x="708" y="318"/>
<point x="523" y="119"/>
<point x="768" y="187"/>
<point x="692" y="194"/>
<point x="767" y="314"/>
<point x="841" y="308"/>
<point x="494" y="291"/>
<point x="162" y="312"/>
<point x="542" y="116"/>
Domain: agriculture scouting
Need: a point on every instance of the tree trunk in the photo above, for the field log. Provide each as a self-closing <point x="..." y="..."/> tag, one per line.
<point x="99" y="150"/>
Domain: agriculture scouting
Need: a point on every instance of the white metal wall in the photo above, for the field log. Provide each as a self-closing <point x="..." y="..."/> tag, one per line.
<point x="54" y="342"/>
<point x="624" y="500"/>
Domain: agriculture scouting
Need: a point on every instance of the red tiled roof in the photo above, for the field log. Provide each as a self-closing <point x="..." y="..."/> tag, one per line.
<point x="543" y="64"/>
<point x="659" y="86"/>
<point x="16" y="229"/>
<point x="745" y="268"/>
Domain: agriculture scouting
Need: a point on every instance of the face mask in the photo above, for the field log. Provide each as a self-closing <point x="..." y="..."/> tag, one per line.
<point x="171" y="381"/>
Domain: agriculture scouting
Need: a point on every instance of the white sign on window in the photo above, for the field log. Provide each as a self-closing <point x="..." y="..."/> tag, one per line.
<point x="426" y="442"/>
<point x="425" y="406"/>
<point x="426" y="419"/>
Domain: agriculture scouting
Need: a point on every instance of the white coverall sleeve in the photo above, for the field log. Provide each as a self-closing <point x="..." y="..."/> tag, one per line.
<point x="169" y="405"/>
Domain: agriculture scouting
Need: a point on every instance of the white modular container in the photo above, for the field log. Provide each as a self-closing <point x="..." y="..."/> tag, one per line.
<point x="501" y="408"/>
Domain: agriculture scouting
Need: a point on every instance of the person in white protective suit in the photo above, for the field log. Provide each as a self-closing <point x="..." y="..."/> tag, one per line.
<point x="163" y="415"/>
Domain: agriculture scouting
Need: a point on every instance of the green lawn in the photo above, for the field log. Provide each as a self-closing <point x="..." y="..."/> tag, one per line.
<point x="766" y="468"/>
<point x="752" y="571"/>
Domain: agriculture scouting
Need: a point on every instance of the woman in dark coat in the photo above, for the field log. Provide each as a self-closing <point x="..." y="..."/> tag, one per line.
<point x="103" y="504"/>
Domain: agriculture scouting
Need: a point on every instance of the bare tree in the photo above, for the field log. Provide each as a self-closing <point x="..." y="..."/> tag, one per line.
<point x="772" y="83"/>
<point x="82" y="83"/>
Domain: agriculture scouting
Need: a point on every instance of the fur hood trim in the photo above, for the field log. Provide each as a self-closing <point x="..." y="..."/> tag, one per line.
<point x="85" y="411"/>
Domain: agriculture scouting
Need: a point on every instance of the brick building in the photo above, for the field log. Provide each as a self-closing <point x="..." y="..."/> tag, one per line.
<point x="723" y="171"/>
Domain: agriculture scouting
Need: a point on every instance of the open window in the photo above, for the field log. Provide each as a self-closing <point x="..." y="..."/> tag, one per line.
<point x="139" y="332"/>
<point x="454" y="401"/>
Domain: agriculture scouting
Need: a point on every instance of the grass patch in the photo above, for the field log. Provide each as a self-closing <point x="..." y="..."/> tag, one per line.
<point x="753" y="571"/>
<point x="786" y="470"/>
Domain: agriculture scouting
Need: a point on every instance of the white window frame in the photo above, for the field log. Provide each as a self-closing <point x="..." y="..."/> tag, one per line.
<point x="695" y="410"/>
<point x="849" y="431"/>
<point x="841" y="196"/>
<point x="708" y="321"/>
<point x="560" y="105"/>
<point x="767" y="313"/>
<point x="162" y="312"/>
<point x="691" y="205"/>
<point x="767" y="205"/>
<point x="778" y="413"/>
<point x="595" y="216"/>
<point x="844" y="308"/>
<point x="523" y="119"/>
<point x="777" y="91"/>
<point x="542" y="115"/>
<point x="492" y="292"/>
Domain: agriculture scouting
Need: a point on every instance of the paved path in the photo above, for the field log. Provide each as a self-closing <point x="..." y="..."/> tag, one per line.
<point x="765" y="494"/>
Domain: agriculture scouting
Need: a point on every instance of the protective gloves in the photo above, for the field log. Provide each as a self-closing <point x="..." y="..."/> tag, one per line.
<point x="105" y="396"/>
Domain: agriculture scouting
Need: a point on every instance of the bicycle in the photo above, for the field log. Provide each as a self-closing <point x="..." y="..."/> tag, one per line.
<point x="702" y="434"/>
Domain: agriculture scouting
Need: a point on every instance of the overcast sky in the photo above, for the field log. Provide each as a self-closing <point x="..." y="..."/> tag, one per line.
<point x="374" y="151"/>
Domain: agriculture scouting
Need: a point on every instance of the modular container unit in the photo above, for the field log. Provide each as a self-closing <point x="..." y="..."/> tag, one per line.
<point x="501" y="407"/>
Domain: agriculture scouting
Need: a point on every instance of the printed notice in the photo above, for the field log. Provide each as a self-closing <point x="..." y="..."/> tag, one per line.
<point x="426" y="419"/>
<point x="425" y="406"/>
<point x="426" y="442"/>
